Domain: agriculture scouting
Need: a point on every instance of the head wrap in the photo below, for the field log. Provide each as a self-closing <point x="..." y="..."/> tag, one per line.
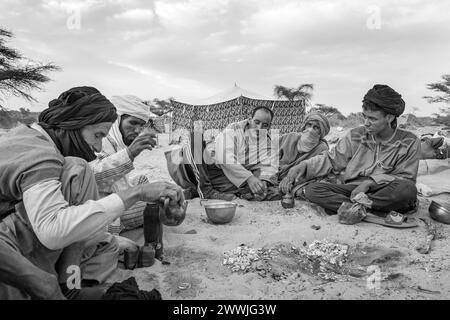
<point x="73" y="110"/>
<point x="321" y="119"/>
<point x="386" y="99"/>
<point x="132" y="106"/>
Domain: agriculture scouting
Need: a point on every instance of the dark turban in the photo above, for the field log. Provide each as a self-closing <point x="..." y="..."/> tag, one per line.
<point x="386" y="99"/>
<point x="321" y="119"/>
<point x="72" y="111"/>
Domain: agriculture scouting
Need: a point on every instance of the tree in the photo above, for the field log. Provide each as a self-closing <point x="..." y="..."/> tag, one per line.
<point x="303" y="92"/>
<point x="160" y="107"/>
<point x="328" y="111"/>
<point x="443" y="87"/>
<point x="20" y="75"/>
<point x="443" y="117"/>
<point x="24" y="112"/>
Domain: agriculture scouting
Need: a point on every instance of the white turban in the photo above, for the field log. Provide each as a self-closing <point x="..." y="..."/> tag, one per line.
<point x="132" y="106"/>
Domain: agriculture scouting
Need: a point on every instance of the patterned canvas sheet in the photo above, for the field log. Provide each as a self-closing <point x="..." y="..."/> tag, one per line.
<point x="288" y="114"/>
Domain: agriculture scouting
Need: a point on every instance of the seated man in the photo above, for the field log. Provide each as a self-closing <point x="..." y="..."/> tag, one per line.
<point x="244" y="159"/>
<point x="52" y="222"/>
<point x="296" y="147"/>
<point x="378" y="159"/>
<point x="114" y="163"/>
<point x="241" y="161"/>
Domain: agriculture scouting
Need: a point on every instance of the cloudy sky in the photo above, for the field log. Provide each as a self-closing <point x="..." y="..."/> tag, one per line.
<point x="192" y="49"/>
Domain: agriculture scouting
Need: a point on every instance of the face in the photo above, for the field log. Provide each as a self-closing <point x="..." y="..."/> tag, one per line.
<point x="261" y="120"/>
<point x="376" y="121"/>
<point x="313" y="125"/>
<point x="94" y="134"/>
<point x="130" y="127"/>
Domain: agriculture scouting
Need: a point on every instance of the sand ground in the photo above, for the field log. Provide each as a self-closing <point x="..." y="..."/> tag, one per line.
<point x="196" y="249"/>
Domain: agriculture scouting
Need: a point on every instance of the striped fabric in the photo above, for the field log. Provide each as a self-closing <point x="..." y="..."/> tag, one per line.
<point x="133" y="217"/>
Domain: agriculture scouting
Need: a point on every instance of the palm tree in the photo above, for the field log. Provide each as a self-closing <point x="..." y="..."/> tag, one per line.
<point x="303" y="92"/>
<point x="160" y="107"/>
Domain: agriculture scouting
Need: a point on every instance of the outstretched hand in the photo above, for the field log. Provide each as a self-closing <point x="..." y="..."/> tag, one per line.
<point x="295" y="176"/>
<point x="285" y="185"/>
<point x="160" y="190"/>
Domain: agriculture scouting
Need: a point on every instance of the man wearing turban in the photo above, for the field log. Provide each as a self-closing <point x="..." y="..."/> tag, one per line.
<point x="296" y="147"/>
<point x="114" y="164"/>
<point x="52" y="229"/>
<point x="377" y="159"/>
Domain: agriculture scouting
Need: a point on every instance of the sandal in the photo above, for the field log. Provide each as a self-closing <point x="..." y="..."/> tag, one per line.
<point x="393" y="219"/>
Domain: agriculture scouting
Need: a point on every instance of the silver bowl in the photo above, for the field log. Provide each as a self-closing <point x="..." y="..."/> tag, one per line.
<point x="439" y="212"/>
<point x="220" y="212"/>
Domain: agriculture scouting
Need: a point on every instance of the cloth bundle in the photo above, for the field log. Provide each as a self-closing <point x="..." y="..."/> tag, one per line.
<point x="352" y="213"/>
<point x="129" y="290"/>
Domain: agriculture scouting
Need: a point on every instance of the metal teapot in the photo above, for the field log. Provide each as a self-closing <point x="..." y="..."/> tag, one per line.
<point x="172" y="215"/>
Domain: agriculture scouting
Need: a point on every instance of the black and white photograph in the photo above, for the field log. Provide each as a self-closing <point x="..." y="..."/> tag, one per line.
<point x="224" y="155"/>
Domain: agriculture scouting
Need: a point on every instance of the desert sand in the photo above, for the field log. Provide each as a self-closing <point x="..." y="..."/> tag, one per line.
<point x="385" y="262"/>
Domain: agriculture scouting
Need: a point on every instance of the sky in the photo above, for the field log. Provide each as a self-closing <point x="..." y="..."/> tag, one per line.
<point x="193" y="49"/>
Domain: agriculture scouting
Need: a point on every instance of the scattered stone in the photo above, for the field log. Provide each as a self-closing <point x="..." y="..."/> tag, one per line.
<point x="191" y="232"/>
<point x="315" y="227"/>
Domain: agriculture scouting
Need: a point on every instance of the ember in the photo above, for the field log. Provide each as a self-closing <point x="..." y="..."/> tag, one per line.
<point x="322" y="258"/>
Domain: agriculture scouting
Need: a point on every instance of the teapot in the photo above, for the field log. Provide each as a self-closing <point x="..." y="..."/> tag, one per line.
<point x="172" y="215"/>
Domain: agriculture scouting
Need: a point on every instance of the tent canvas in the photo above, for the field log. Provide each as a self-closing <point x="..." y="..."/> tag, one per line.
<point x="233" y="105"/>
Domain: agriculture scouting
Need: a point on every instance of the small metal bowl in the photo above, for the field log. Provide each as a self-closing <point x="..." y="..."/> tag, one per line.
<point x="439" y="212"/>
<point x="220" y="212"/>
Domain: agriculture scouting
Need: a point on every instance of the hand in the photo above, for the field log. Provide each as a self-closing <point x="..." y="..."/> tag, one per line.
<point x="286" y="185"/>
<point x="125" y="243"/>
<point x="363" y="187"/>
<point x="256" y="185"/>
<point x="159" y="191"/>
<point x="142" y="142"/>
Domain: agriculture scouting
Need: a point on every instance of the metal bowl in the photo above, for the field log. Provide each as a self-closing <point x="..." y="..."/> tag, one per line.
<point x="439" y="212"/>
<point x="220" y="212"/>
